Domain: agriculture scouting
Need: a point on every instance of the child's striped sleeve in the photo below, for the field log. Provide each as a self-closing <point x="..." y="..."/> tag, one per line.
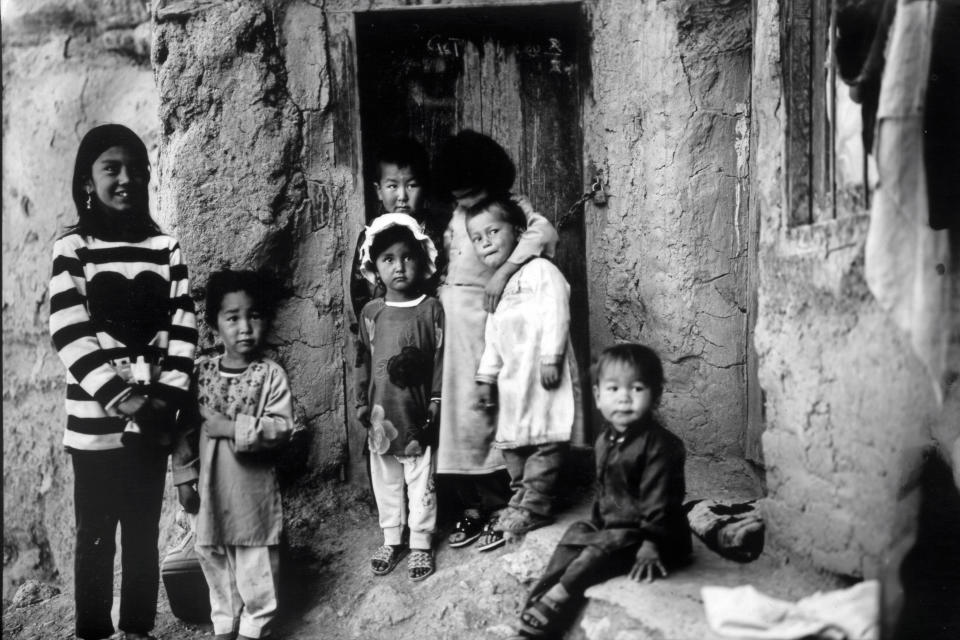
<point x="73" y="333"/>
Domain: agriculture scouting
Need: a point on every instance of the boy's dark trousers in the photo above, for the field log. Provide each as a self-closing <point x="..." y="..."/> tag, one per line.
<point x="126" y="486"/>
<point x="534" y="471"/>
<point x="578" y="567"/>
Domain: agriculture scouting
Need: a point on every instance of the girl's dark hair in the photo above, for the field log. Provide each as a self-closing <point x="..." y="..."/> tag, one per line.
<point x="392" y="235"/>
<point x="471" y="160"/>
<point x="260" y="286"/>
<point x="404" y="151"/>
<point x="134" y="226"/>
<point x="641" y="358"/>
<point x="513" y="213"/>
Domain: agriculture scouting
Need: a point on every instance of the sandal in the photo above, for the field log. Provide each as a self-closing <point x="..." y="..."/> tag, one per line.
<point x="519" y="521"/>
<point x="490" y="537"/>
<point x="420" y="564"/>
<point x="465" y="532"/>
<point x="539" y="619"/>
<point x="385" y="559"/>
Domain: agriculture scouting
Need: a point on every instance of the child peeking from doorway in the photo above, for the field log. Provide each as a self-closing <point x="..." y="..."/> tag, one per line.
<point x="401" y="181"/>
<point x="638" y="519"/>
<point x="398" y="377"/>
<point x="527" y="366"/>
<point x="224" y="466"/>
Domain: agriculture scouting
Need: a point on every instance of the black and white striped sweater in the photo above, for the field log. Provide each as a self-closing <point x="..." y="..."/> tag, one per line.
<point x="120" y="314"/>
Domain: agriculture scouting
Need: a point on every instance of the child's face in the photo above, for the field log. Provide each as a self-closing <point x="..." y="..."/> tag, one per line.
<point x="241" y="326"/>
<point x="117" y="180"/>
<point x="621" y="396"/>
<point x="494" y="239"/>
<point x="400" y="270"/>
<point x="399" y="190"/>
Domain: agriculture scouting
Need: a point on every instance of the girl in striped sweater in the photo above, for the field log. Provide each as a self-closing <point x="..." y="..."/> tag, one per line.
<point x="122" y="322"/>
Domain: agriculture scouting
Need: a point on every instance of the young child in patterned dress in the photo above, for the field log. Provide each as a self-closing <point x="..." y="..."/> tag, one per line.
<point x="243" y="414"/>
<point x="398" y="388"/>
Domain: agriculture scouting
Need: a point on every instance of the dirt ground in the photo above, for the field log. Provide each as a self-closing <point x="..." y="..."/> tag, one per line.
<point x="473" y="596"/>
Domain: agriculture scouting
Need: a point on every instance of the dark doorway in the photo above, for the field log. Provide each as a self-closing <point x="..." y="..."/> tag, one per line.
<point x="514" y="73"/>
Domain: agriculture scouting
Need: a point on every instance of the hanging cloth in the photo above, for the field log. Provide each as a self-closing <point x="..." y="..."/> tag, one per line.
<point x="908" y="263"/>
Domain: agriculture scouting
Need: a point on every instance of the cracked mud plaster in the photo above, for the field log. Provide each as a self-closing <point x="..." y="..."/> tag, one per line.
<point x="845" y="399"/>
<point x="669" y="258"/>
<point x="242" y="90"/>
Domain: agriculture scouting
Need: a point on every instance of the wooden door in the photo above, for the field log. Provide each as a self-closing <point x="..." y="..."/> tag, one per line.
<point x="513" y="73"/>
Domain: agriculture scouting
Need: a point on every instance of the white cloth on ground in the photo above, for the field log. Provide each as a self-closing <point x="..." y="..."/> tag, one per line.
<point x="743" y="612"/>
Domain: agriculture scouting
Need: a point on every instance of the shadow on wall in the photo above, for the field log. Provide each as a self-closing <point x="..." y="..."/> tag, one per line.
<point x="931" y="570"/>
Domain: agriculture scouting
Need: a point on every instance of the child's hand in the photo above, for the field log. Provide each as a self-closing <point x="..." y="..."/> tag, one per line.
<point x="188" y="497"/>
<point x="550" y="374"/>
<point x="216" y="425"/>
<point x="485" y="401"/>
<point x="648" y="563"/>
<point x="363" y="416"/>
<point x="131" y="404"/>
<point x="433" y="416"/>
<point x="496" y="285"/>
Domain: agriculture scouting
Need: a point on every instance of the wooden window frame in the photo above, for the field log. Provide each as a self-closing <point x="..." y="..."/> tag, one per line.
<point x="809" y="84"/>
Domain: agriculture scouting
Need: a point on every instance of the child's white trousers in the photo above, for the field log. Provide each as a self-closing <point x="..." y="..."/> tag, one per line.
<point x="243" y="587"/>
<point x="405" y="493"/>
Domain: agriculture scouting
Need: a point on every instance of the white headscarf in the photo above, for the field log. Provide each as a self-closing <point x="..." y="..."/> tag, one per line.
<point x="385" y="221"/>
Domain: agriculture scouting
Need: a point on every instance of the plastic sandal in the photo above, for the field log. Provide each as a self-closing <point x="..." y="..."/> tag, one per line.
<point x="539" y="619"/>
<point x="420" y="564"/>
<point x="465" y="532"/>
<point x="490" y="537"/>
<point x="385" y="559"/>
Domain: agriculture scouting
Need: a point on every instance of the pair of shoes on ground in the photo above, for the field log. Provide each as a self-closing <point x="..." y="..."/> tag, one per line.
<point x="420" y="564"/>
<point x="471" y="528"/>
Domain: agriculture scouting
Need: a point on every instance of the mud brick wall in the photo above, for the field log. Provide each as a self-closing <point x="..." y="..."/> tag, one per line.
<point x="249" y="109"/>
<point x="845" y="398"/>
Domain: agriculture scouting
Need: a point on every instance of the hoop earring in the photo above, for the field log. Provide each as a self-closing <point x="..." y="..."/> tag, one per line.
<point x="89" y="201"/>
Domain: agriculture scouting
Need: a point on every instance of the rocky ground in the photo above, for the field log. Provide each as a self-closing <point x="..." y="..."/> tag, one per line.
<point x="473" y="595"/>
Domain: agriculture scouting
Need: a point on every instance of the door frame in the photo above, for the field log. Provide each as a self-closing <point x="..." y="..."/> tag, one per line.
<point x="346" y="147"/>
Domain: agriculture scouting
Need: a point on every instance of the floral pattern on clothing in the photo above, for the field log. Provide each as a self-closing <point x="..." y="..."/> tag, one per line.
<point x="410" y="368"/>
<point x="382" y="431"/>
<point x="400" y="369"/>
<point x="231" y="396"/>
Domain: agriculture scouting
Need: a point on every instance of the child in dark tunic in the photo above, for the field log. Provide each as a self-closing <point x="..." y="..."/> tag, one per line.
<point x="638" y="519"/>
<point x="398" y="380"/>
